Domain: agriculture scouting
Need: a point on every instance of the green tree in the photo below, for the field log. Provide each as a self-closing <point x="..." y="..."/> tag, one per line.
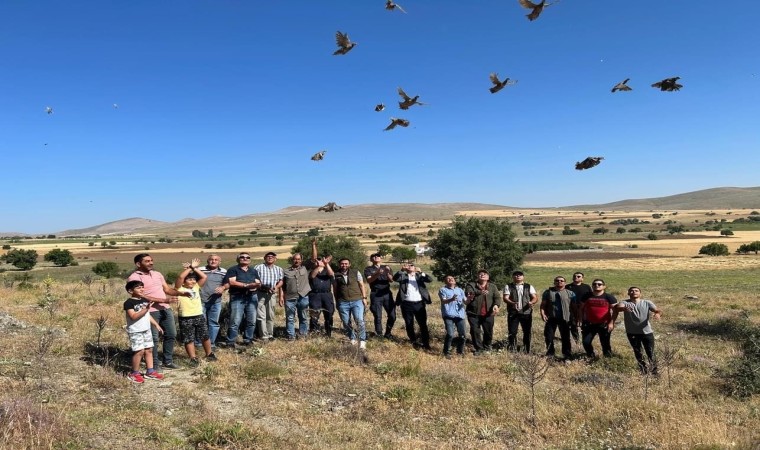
<point x="471" y="244"/>
<point x="337" y="246"/>
<point x="61" y="258"/>
<point x="6" y="246"/>
<point x="106" y="269"/>
<point x="23" y="259"/>
<point x="652" y="237"/>
<point x="313" y="232"/>
<point x="751" y="247"/>
<point x="714" y="249"/>
<point x="384" y="250"/>
<point x="404" y="254"/>
<point x="409" y="239"/>
<point x="726" y="233"/>
<point x="600" y="230"/>
<point x="620" y="230"/>
<point x="675" y="229"/>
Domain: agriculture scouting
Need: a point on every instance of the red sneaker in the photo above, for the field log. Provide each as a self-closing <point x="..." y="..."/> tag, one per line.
<point x="154" y="376"/>
<point x="136" y="377"/>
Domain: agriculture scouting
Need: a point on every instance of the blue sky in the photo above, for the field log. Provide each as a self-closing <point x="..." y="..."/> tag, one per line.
<point x="222" y="103"/>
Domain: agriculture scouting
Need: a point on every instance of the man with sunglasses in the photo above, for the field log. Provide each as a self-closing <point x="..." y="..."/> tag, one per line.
<point x="244" y="283"/>
<point x="596" y="312"/>
<point x="580" y="289"/>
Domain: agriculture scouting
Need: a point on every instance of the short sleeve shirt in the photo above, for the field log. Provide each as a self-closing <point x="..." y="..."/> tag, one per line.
<point x="243" y="276"/>
<point x="597" y="309"/>
<point x="154" y="286"/>
<point x="636" y="317"/>
<point x="141" y="324"/>
<point x="190" y="306"/>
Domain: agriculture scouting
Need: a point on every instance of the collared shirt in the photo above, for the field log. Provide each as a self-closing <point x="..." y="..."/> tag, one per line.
<point x="453" y="309"/>
<point x="154" y="286"/>
<point x="214" y="279"/>
<point x="296" y="282"/>
<point x="270" y="275"/>
<point x="382" y="282"/>
<point x="520" y="288"/>
<point x="413" y="290"/>
<point x="243" y="276"/>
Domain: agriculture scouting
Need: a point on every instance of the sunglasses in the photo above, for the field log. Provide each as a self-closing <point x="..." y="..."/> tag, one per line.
<point x="559" y="281"/>
<point x="244" y="257"/>
<point x="597" y="284"/>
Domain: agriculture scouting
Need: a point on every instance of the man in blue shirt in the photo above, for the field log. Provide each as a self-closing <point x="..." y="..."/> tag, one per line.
<point x="453" y="313"/>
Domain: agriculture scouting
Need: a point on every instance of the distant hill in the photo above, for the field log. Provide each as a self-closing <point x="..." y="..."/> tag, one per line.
<point x="308" y="216"/>
<point x="716" y="198"/>
<point x="116" y="227"/>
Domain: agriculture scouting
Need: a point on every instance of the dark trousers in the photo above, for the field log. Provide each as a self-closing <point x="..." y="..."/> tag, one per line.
<point x="412" y="311"/>
<point x="481" y="332"/>
<point x="647" y="341"/>
<point x="455" y="323"/>
<point x="564" y="333"/>
<point x="321" y="302"/>
<point x="515" y="320"/>
<point x="379" y="301"/>
<point x="590" y="330"/>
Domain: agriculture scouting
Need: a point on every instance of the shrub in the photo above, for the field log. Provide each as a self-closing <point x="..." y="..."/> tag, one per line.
<point x="714" y="249"/>
<point x="403" y="254"/>
<point x="652" y="237"/>
<point x="726" y="233"/>
<point x="106" y="269"/>
<point x="23" y="259"/>
<point x="6" y="247"/>
<point x="61" y="258"/>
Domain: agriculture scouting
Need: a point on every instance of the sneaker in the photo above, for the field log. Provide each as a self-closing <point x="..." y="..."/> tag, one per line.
<point x="153" y="375"/>
<point x="211" y="357"/>
<point x="447" y="355"/>
<point x="353" y="341"/>
<point x="194" y="362"/>
<point x="136" y="377"/>
<point x="171" y="365"/>
<point x="363" y="345"/>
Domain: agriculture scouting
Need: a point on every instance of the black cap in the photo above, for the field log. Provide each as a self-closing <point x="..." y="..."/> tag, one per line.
<point x="270" y="254"/>
<point x="375" y="255"/>
<point x="517" y="272"/>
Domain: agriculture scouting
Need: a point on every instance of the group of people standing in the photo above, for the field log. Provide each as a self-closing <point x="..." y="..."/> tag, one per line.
<point x="313" y="288"/>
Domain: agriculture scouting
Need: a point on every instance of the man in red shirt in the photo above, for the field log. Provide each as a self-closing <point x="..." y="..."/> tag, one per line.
<point x="596" y="313"/>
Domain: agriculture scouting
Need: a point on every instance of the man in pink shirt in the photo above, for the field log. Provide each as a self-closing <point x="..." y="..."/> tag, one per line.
<point x="156" y="290"/>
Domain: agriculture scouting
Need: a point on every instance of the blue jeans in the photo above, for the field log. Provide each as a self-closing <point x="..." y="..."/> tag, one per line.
<point x="348" y="308"/>
<point x="165" y="319"/>
<point x="242" y="305"/>
<point x="212" y="309"/>
<point x="300" y="305"/>
<point x="451" y="324"/>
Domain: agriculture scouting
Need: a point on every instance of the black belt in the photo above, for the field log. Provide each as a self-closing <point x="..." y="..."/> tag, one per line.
<point x="320" y="292"/>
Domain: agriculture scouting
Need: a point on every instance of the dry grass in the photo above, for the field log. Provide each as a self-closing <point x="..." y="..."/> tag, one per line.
<point x="315" y="394"/>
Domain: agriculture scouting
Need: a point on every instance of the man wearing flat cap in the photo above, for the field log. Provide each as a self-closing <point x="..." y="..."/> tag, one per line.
<point x="520" y="298"/>
<point x="271" y="281"/>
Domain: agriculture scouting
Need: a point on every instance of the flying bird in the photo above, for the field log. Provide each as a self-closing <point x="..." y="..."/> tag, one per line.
<point x="390" y="5"/>
<point x="622" y="86"/>
<point x="668" y="84"/>
<point x="591" y="161"/>
<point x="394" y="121"/>
<point x="344" y="43"/>
<point x="330" y="207"/>
<point x="379" y="107"/>
<point x="49" y="110"/>
<point x="536" y="9"/>
<point x="499" y="85"/>
<point x="408" y="101"/>
<point x="319" y="156"/>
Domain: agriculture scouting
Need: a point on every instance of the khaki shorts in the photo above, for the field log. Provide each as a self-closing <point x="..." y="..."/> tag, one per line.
<point x="140" y="340"/>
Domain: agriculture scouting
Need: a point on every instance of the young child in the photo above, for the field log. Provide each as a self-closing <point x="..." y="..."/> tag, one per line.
<point x="640" y="334"/>
<point x="138" y="329"/>
<point x="192" y="322"/>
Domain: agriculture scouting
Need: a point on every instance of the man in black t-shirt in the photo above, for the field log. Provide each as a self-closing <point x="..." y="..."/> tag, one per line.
<point x="580" y="289"/>
<point x="379" y="278"/>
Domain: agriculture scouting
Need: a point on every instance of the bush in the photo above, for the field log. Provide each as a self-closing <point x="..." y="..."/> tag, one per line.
<point x="404" y="254"/>
<point x="23" y="259"/>
<point x="652" y="237"/>
<point x="60" y="258"/>
<point x="714" y="249"/>
<point x="751" y="247"/>
<point x="6" y="247"/>
<point x="106" y="269"/>
<point x="726" y="233"/>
